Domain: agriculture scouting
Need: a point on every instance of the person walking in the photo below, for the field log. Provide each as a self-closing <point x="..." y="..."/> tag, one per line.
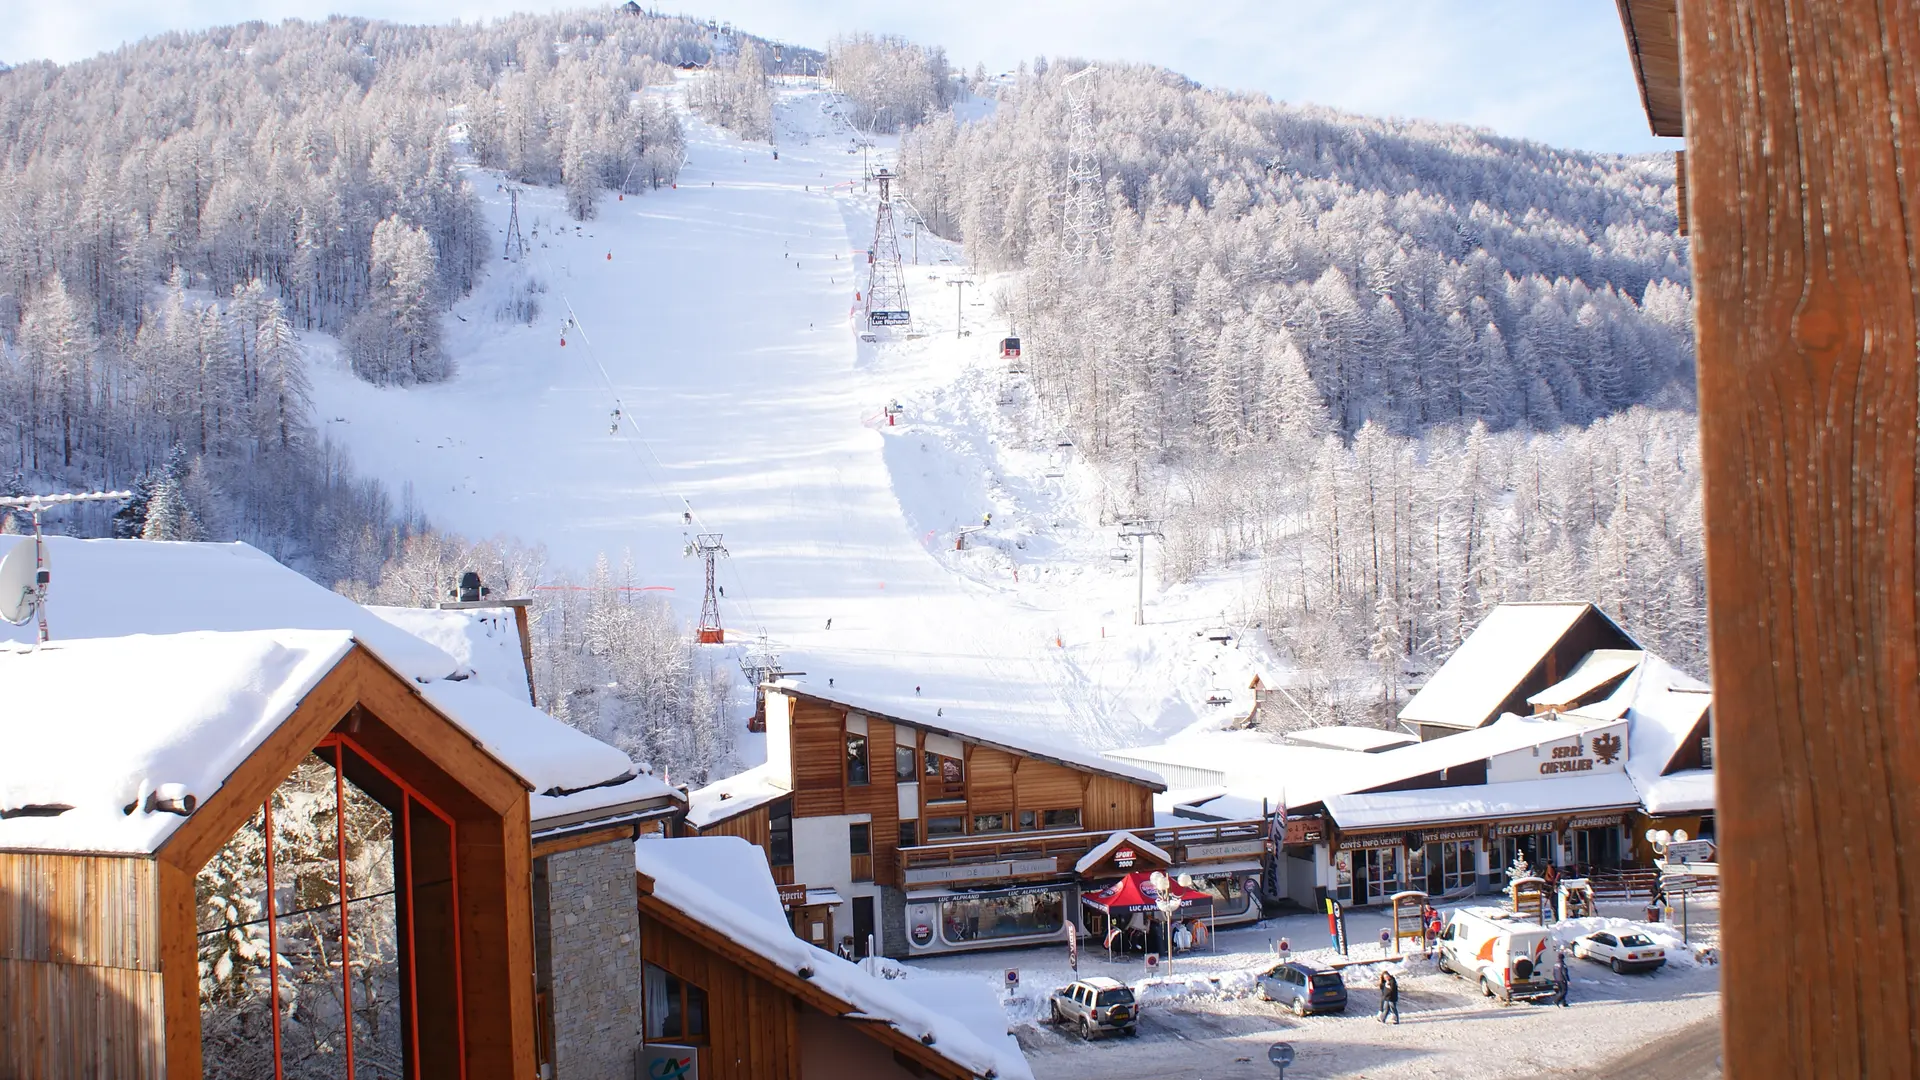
<point x="1560" y="979"/>
<point x="1389" y="997"/>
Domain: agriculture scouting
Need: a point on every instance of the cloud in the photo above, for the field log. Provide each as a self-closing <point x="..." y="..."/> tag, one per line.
<point x="1556" y="70"/>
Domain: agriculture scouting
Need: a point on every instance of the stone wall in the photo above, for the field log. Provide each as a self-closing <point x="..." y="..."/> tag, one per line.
<point x="593" y="928"/>
<point x="893" y="922"/>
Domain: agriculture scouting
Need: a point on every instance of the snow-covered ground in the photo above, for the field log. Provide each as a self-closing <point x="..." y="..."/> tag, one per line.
<point x="1205" y="1019"/>
<point x="716" y="316"/>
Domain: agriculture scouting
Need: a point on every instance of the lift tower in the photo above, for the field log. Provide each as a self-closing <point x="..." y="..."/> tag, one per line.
<point x="708" y="546"/>
<point x="886" y="281"/>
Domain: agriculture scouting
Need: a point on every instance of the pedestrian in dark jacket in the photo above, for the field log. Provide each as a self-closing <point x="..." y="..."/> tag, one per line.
<point x="1389" y="997"/>
<point x="1560" y="979"/>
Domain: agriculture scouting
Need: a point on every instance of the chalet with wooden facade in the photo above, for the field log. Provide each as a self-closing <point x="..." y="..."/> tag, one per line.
<point x="732" y="994"/>
<point x="583" y="802"/>
<point x="139" y="774"/>
<point x="922" y="835"/>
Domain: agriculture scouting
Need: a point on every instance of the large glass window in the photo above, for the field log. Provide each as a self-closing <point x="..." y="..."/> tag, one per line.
<point x="1029" y="819"/>
<point x="857" y="771"/>
<point x="1002" y="915"/>
<point x="676" y="1010"/>
<point x="1068" y="818"/>
<point x="909" y="833"/>
<point x="939" y="827"/>
<point x="780" y="833"/>
<point x="1343" y="876"/>
<point x="1228" y="889"/>
<point x="903" y="764"/>
<point x="860" y="839"/>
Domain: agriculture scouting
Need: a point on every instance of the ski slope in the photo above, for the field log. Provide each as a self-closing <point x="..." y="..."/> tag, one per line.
<point x="717" y="317"/>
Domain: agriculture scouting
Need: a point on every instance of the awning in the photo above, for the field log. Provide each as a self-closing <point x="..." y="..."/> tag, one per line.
<point x="829" y="897"/>
<point x="1135" y="892"/>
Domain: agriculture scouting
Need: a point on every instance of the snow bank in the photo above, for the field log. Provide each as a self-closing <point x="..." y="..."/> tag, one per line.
<point x="1679" y="953"/>
<point x="113" y="588"/>
<point x="97" y="725"/>
<point x="723" y="882"/>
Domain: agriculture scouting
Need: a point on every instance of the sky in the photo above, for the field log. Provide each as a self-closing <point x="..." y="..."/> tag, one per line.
<point x="1553" y="70"/>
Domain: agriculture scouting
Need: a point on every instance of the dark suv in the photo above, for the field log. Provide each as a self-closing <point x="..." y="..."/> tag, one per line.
<point x="1305" y="987"/>
<point x="1096" y="1005"/>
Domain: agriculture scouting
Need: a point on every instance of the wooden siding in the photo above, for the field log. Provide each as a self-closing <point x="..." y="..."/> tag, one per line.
<point x="752" y="826"/>
<point x="80" y="984"/>
<point x="819" y="759"/>
<point x="752" y="1025"/>
<point x="1116" y="804"/>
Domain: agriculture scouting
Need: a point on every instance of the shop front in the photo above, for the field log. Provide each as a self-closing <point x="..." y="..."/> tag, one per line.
<point x="1535" y="840"/>
<point x="960" y="921"/>
<point x="1369" y="868"/>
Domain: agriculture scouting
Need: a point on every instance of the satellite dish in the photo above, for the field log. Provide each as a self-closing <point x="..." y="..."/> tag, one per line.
<point x="18" y="595"/>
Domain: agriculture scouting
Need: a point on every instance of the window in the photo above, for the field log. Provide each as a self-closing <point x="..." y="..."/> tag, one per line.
<point x="946" y="826"/>
<point x="1706" y="751"/>
<point x="676" y="1010"/>
<point x="1122" y="996"/>
<point x="903" y="764"/>
<point x="780" y="833"/>
<point x="947" y="770"/>
<point x="1002" y="915"/>
<point x="986" y="823"/>
<point x="857" y="772"/>
<point x="1063" y="819"/>
<point x="1228" y="890"/>
<point x="909" y="833"/>
<point x="1028" y="819"/>
<point x="860" y="839"/>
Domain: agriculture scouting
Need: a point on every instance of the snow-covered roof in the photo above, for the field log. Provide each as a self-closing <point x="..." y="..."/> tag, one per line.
<point x="483" y="642"/>
<point x="1493" y="660"/>
<point x="596" y="803"/>
<point x="995" y="735"/>
<point x="98" y="724"/>
<point x="970" y="1000"/>
<point x="1112" y="843"/>
<point x="1594" y="670"/>
<point x="1482" y="802"/>
<point x="113" y="588"/>
<point x="553" y="757"/>
<point x="1188" y="805"/>
<point x="736" y="794"/>
<point x="1346" y="737"/>
<point x="1688" y="791"/>
<point x="723" y="882"/>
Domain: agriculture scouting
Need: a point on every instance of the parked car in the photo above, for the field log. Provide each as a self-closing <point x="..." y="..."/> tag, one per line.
<point x="1096" y="1005"/>
<point x="1505" y="953"/>
<point x="1621" y="952"/>
<point x="1305" y="987"/>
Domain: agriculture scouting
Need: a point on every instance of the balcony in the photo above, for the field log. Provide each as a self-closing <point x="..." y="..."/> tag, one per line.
<point x="1034" y="856"/>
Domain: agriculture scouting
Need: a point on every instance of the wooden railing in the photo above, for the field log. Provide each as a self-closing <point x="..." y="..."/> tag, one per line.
<point x="1067" y="847"/>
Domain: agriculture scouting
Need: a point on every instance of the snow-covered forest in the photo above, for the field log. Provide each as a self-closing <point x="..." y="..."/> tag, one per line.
<point x="891" y="84"/>
<point x="1418" y="368"/>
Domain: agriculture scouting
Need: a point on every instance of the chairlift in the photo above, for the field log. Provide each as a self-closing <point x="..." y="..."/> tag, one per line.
<point x="1120" y="554"/>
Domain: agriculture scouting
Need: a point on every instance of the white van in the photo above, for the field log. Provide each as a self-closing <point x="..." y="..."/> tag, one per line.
<point x="1508" y="955"/>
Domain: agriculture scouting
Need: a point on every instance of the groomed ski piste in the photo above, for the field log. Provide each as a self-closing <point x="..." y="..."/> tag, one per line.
<point x="720" y="318"/>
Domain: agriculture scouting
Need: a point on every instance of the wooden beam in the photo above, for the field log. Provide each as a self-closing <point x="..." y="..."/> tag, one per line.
<point x="179" y="968"/>
<point x="1806" y="222"/>
<point x="575" y="841"/>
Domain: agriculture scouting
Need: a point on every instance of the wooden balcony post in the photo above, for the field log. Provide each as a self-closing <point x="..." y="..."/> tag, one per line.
<point x="1804" y="166"/>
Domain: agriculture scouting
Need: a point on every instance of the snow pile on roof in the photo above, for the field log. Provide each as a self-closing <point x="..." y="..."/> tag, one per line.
<point x="1684" y="792"/>
<point x="1385" y="809"/>
<point x="483" y="642"/>
<point x="97" y="725"/>
<point x="553" y="757"/>
<point x="1363" y="740"/>
<point x="583" y="806"/>
<point x="973" y="1002"/>
<point x="1499" y="653"/>
<point x="1594" y="670"/>
<point x="736" y="794"/>
<point x="1186" y="806"/>
<point x="723" y="882"/>
<point x="1017" y="740"/>
<point x="1106" y="847"/>
<point x="113" y="588"/>
<point x="1662" y="705"/>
